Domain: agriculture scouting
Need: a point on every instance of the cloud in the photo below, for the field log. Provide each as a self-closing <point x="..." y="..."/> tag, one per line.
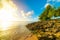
<point x="27" y="17"/>
<point x="46" y="5"/>
<point x="29" y="14"/>
<point x="26" y="14"/>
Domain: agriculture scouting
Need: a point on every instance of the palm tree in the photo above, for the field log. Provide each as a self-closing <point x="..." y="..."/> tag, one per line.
<point x="47" y="13"/>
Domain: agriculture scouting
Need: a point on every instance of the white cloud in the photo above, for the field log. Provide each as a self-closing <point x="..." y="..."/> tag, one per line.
<point x="30" y="13"/>
<point x="27" y="17"/>
<point x="46" y="5"/>
<point x="26" y="14"/>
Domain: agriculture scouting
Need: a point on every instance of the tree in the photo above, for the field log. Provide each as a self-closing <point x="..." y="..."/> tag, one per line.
<point x="57" y="12"/>
<point x="49" y="12"/>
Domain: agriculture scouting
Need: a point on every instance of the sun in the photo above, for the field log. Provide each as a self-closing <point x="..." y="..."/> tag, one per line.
<point x="8" y="14"/>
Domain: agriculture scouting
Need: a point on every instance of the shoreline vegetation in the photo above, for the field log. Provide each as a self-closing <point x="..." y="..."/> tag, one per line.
<point x="48" y="28"/>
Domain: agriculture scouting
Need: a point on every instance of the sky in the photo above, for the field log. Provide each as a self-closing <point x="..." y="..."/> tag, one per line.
<point x="35" y="7"/>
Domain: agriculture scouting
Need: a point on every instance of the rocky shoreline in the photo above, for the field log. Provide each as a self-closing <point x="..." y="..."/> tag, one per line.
<point x="49" y="29"/>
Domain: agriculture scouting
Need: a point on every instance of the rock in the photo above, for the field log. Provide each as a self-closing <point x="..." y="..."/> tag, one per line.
<point x="46" y="28"/>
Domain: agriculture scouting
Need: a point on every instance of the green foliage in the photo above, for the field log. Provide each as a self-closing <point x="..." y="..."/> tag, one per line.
<point x="57" y="12"/>
<point x="49" y="12"/>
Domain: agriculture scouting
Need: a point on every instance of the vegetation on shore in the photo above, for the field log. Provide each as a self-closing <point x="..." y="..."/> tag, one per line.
<point x="47" y="28"/>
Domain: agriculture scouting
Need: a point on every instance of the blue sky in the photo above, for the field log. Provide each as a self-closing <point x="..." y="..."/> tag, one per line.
<point x="36" y="5"/>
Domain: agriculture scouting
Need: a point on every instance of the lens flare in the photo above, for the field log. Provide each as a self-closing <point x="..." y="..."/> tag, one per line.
<point x="8" y="14"/>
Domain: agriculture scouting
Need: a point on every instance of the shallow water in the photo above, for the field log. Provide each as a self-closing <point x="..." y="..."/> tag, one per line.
<point x="15" y="33"/>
